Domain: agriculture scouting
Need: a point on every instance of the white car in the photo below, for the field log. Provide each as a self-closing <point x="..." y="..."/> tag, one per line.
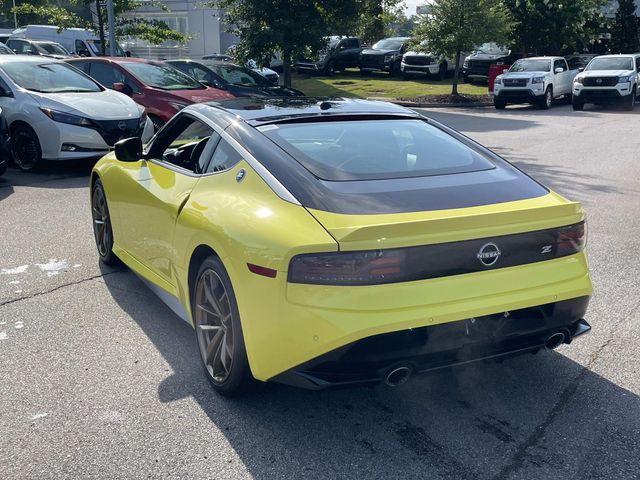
<point x="56" y="112"/>
<point x="608" y="79"/>
<point x="422" y="62"/>
<point x="536" y="80"/>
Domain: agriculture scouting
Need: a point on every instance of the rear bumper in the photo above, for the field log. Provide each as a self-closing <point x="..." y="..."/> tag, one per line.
<point x="424" y="349"/>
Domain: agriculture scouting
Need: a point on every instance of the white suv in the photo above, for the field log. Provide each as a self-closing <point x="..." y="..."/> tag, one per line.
<point x="607" y="79"/>
<point x="536" y="80"/>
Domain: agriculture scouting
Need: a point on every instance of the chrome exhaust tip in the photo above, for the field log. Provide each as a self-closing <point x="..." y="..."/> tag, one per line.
<point x="554" y="341"/>
<point x="397" y="376"/>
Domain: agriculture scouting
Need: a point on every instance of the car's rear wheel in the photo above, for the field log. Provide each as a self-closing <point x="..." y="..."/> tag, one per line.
<point x="499" y="103"/>
<point x="102" y="231"/>
<point x="218" y="330"/>
<point x="547" y="100"/>
<point x="26" y="152"/>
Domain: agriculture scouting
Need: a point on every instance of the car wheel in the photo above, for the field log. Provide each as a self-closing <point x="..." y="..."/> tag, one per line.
<point x="157" y="123"/>
<point x="218" y="330"/>
<point x="466" y="79"/>
<point x="102" y="231"/>
<point x="443" y="70"/>
<point x="547" y="100"/>
<point x="3" y="169"/>
<point x="330" y="68"/>
<point x="630" y="103"/>
<point x="499" y="103"/>
<point x="394" y="69"/>
<point x="25" y="148"/>
<point x="578" y="105"/>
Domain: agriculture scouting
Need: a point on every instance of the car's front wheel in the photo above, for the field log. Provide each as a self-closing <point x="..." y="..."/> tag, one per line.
<point x="102" y="231"/>
<point x="218" y="330"/>
<point x="26" y="152"/>
<point x="547" y="100"/>
<point x="578" y="105"/>
<point x="499" y="103"/>
<point x="630" y="102"/>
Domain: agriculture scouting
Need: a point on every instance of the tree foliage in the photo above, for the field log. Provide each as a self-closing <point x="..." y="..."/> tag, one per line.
<point x="289" y="27"/>
<point x="375" y="18"/>
<point x="549" y="27"/>
<point x="624" y="31"/>
<point x="456" y="26"/>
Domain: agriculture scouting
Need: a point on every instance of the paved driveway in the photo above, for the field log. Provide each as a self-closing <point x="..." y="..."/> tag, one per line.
<point x="99" y="379"/>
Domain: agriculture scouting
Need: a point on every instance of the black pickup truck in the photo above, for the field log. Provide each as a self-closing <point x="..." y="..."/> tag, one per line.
<point x="385" y="55"/>
<point x="341" y="53"/>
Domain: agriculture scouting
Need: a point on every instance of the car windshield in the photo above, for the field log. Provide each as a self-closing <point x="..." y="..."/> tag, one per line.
<point x="51" y="77"/>
<point x="389" y="44"/>
<point x="237" y="75"/>
<point x="163" y="77"/>
<point x="53" y="48"/>
<point x="375" y="149"/>
<point x="611" y="63"/>
<point x="333" y="42"/>
<point x="96" y="47"/>
<point x="490" y="49"/>
<point x="531" y="66"/>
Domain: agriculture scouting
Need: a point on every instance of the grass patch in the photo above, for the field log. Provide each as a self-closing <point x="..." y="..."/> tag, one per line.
<point x="351" y="84"/>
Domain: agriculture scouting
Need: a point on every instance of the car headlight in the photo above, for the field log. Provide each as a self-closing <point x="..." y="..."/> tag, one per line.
<point x="177" y="105"/>
<point x="466" y="63"/>
<point x="388" y="57"/>
<point x="578" y="80"/>
<point x="626" y="78"/>
<point x="537" y="80"/>
<point x="498" y="81"/>
<point x="69" y="118"/>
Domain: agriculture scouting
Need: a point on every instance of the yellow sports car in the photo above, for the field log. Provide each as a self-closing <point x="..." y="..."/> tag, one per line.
<point x="322" y="243"/>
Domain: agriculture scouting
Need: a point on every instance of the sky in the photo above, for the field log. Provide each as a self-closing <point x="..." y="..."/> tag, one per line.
<point x="410" y="6"/>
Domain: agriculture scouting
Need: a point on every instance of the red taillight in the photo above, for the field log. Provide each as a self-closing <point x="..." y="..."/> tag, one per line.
<point x="571" y="239"/>
<point x="348" y="268"/>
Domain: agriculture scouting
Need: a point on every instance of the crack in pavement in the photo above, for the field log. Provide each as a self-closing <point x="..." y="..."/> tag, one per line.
<point x="77" y="282"/>
<point x="520" y="456"/>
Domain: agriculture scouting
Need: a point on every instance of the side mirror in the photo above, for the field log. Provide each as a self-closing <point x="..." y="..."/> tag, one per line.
<point x="122" y="88"/>
<point x="127" y="53"/>
<point x="129" y="149"/>
<point x="580" y="69"/>
<point x="559" y="70"/>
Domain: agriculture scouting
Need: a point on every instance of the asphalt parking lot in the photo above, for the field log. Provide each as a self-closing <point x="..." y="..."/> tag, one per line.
<point x="98" y="379"/>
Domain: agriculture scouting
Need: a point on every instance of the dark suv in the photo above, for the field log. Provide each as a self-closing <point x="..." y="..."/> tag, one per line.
<point x="385" y="55"/>
<point x="341" y="53"/>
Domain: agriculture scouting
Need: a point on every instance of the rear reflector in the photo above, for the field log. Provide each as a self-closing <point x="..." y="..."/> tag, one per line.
<point x="264" y="271"/>
<point x="377" y="267"/>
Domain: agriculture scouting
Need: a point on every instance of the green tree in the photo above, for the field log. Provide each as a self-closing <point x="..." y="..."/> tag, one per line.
<point x="456" y="26"/>
<point x="76" y="13"/>
<point x="624" y="31"/>
<point x="547" y="27"/>
<point x="376" y="17"/>
<point x="289" y="27"/>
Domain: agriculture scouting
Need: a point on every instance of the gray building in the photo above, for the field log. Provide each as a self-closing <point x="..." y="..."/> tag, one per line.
<point x="190" y="17"/>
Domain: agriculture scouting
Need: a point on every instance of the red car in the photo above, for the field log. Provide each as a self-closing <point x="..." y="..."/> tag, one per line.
<point x="162" y="89"/>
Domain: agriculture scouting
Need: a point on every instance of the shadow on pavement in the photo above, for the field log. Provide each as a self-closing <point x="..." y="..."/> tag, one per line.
<point x="541" y="416"/>
<point x="469" y="122"/>
<point x="52" y="175"/>
<point x="6" y="188"/>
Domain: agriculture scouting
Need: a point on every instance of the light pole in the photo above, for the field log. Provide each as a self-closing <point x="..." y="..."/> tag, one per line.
<point x="112" y="28"/>
<point x="15" y="15"/>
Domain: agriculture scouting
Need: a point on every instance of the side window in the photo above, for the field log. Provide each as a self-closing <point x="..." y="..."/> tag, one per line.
<point x="81" y="49"/>
<point x="560" y="64"/>
<point x="638" y="64"/>
<point x="183" y="142"/>
<point x="105" y="74"/>
<point x="198" y="73"/>
<point x="223" y="158"/>
<point x="352" y="43"/>
<point x="20" y="47"/>
<point x="83" y="66"/>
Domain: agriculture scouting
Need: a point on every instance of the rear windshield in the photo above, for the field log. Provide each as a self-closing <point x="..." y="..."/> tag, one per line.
<point x="375" y="149"/>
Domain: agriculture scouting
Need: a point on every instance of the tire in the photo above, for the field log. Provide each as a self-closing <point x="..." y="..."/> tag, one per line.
<point x="3" y="169"/>
<point x="630" y="104"/>
<point x="499" y="103"/>
<point x="394" y="69"/>
<point x="578" y="105"/>
<point x="466" y="79"/>
<point x="102" y="231"/>
<point x="443" y="70"/>
<point x="330" y="68"/>
<point x="547" y="100"/>
<point x="216" y="319"/>
<point x="25" y="149"/>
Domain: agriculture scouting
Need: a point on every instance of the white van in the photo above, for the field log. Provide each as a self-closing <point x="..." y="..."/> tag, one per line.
<point x="78" y="41"/>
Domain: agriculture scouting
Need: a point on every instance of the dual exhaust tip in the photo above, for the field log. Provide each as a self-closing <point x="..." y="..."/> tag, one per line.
<point x="400" y="374"/>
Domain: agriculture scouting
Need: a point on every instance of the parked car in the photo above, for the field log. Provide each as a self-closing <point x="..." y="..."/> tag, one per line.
<point x="385" y="55"/>
<point x="608" y="79"/>
<point x="269" y="74"/>
<point x="381" y="244"/>
<point x="579" y="61"/>
<point x="339" y="53"/>
<point x="37" y="47"/>
<point x="422" y="62"/>
<point x="535" y="80"/>
<point x="237" y="80"/>
<point x="4" y="139"/>
<point x="476" y="66"/>
<point x="162" y="89"/>
<point x="78" y="41"/>
<point x="55" y="112"/>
